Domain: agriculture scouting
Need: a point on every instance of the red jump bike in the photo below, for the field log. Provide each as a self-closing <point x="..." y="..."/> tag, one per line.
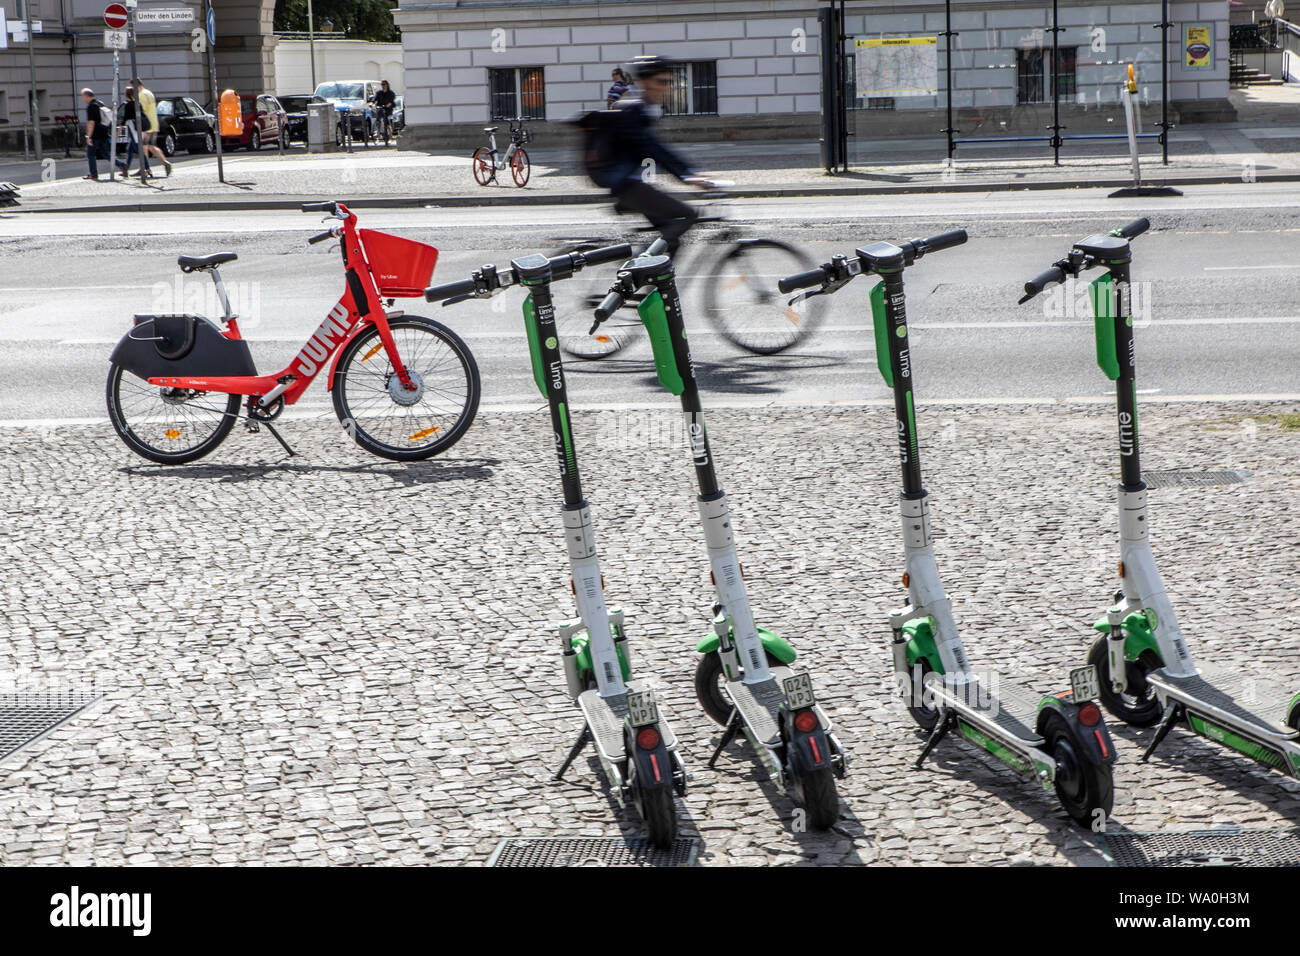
<point x="404" y="387"/>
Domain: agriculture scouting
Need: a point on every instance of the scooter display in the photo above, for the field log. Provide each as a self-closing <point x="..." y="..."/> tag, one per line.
<point x="743" y="680"/>
<point x="1147" y="672"/>
<point x="633" y="742"/>
<point x="1059" y="738"/>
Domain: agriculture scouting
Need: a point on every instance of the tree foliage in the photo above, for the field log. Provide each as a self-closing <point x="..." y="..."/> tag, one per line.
<point x="355" y="19"/>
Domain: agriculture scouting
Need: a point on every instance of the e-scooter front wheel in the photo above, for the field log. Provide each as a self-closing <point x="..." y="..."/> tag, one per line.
<point x="708" y="686"/>
<point x="1138" y="705"/>
<point x="1083" y="785"/>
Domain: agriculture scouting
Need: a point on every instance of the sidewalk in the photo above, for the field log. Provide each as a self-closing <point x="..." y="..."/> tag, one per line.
<point x="383" y="683"/>
<point x="1262" y="148"/>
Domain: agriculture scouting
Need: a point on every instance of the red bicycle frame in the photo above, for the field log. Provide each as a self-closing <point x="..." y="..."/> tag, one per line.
<point x="360" y="306"/>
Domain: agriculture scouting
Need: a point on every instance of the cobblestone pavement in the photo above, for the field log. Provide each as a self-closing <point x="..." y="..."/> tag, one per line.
<point x="336" y="659"/>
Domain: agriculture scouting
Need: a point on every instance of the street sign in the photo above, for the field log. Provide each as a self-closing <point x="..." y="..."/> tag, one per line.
<point x="212" y="25"/>
<point x="115" y="39"/>
<point x="165" y="15"/>
<point x="115" y="16"/>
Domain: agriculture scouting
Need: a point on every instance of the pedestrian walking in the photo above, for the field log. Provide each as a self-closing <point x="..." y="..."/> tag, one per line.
<point x="99" y="125"/>
<point x="128" y="118"/>
<point x="617" y="88"/>
<point x="149" y="103"/>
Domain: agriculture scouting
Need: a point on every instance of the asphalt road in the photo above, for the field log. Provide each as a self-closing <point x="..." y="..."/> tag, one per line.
<point x="1220" y="272"/>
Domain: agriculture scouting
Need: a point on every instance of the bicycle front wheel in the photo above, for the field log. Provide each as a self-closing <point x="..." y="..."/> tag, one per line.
<point x="742" y="301"/>
<point x="519" y="167"/>
<point x="403" y="424"/>
<point x="575" y="301"/>
<point x="168" y="425"/>
<point x="485" y="168"/>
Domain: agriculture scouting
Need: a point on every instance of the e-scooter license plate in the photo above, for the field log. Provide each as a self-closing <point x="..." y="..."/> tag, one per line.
<point x="798" y="692"/>
<point x="641" y="708"/>
<point x="1084" y="683"/>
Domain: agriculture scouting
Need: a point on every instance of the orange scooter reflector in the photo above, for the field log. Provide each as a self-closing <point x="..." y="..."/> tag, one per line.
<point x="173" y="433"/>
<point x="371" y="354"/>
<point x="794" y="317"/>
<point x="423" y="434"/>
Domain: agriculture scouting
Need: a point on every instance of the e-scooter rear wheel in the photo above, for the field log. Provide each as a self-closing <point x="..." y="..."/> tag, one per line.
<point x="1083" y="786"/>
<point x="814" y="790"/>
<point x="914" y="699"/>
<point x="660" y="817"/>
<point x="708" y="686"/>
<point x="1139" y="706"/>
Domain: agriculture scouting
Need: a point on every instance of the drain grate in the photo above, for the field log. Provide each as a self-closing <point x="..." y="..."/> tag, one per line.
<point x="1189" y="479"/>
<point x="592" y="851"/>
<point x="26" y="718"/>
<point x="1230" y="846"/>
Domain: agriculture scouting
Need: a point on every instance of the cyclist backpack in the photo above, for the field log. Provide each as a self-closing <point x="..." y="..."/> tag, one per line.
<point x="596" y="127"/>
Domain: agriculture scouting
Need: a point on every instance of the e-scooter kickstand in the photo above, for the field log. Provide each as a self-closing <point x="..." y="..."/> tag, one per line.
<point x="743" y="680"/>
<point x="1058" y="739"/>
<point x="1147" y="671"/>
<point x="634" y="743"/>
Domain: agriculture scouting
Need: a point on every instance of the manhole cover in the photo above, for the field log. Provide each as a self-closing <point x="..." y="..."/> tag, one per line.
<point x="592" y="851"/>
<point x="25" y="718"/>
<point x="1224" y="847"/>
<point x="1189" y="479"/>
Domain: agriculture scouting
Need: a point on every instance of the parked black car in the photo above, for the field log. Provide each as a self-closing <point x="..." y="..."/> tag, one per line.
<point x="295" y="104"/>
<point x="183" y="124"/>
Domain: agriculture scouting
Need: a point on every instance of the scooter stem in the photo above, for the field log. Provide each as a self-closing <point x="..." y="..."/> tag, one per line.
<point x="589" y="592"/>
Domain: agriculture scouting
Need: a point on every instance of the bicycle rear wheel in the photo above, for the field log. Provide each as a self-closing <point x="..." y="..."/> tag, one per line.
<point x="742" y="301"/>
<point x="485" y="169"/>
<point x="575" y="301"/>
<point x="168" y="425"/>
<point x="392" y="422"/>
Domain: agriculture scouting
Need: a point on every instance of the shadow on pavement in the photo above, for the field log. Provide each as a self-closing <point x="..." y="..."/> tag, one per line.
<point x="403" y="474"/>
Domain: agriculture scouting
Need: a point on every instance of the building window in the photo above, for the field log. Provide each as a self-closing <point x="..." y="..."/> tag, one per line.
<point x="695" y="89"/>
<point x="517" y="93"/>
<point x="1034" y="82"/>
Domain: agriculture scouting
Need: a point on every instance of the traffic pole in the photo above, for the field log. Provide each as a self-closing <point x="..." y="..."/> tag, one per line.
<point x="112" y="130"/>
<point x="209" y="20"/>
<point x="31" y="66"/>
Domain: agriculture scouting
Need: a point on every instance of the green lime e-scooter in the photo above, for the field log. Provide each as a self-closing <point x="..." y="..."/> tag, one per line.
<point x="634" y="744"/>
<point x="743" y="680"/>
<point x="1147" y="673"/>
<point x="1060" y="738"/>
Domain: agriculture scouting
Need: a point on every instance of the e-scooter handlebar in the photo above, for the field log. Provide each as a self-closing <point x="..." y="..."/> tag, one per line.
<point x="450" y="290"/>
<point x="1133" y="229"/>
<point x="804" y="280"/>
<point x="840" y="270"/>
<point x="488" y="280"/>
<point x="1078" y="260"/>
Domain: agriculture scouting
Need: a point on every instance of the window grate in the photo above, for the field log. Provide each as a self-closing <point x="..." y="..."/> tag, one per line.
<point x="1189" y="479"/>
<point x="26" y="718"/>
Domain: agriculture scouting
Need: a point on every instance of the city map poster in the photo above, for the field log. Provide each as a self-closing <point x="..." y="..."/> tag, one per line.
<point x="897" y="66"/>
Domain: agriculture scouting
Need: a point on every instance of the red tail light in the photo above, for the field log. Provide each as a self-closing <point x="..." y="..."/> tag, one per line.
<point x="647" y="738"/>
<point x="1090" y="715"/>
<point x="806" y="722"/>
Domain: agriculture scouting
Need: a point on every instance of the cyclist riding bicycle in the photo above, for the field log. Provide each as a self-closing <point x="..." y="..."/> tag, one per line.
<point x="633" y="140"/>
<point x="385" y="102"/>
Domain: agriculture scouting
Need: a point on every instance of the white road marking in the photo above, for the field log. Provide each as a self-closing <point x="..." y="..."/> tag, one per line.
<point x="1284" y="265"/>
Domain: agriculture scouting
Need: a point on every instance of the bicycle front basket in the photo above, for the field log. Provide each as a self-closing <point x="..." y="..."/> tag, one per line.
<point x="402" y="267"/>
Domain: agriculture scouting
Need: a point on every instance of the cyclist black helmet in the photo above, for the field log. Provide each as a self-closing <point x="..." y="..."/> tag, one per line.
<point x="644" y="66"/>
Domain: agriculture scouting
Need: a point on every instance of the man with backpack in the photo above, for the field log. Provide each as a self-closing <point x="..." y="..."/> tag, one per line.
<point x="622" y="152"/>
<point x="99" y="126"/>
